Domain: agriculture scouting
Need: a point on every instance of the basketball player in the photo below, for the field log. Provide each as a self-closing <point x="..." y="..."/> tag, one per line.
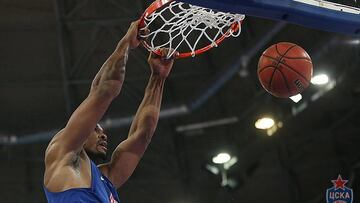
<point x="70" y="173"/>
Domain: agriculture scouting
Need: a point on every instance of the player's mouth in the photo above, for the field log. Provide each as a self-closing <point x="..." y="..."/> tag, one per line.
<point x="103" y="145"/>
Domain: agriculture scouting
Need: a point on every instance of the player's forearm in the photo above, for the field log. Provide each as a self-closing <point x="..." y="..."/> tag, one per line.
<point x="147" y="116"/>
<point x="109" y="80"/>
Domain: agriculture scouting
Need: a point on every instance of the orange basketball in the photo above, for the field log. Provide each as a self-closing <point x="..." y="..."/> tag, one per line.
<point x="285" y="69"/>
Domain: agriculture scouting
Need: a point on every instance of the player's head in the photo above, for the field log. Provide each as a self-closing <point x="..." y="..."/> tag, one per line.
<point x="96" y="144"/>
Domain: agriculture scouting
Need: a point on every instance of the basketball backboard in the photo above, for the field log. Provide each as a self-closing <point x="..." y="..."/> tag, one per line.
<point x="342" y="16"/>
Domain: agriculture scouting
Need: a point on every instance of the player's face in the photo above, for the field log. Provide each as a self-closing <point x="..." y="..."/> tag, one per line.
<point x="96" y="144"/>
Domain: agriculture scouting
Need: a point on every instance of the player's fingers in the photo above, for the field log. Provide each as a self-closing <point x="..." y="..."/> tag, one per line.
<point x="155" y="55"/>
<point x="165" y="54"/>
<point x="143" y="34"/>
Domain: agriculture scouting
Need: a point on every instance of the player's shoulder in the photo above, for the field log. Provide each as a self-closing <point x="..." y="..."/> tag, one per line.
<point x="53" y="146"/>
<point x="56" y="154"/>
<point x="63" y="171"/>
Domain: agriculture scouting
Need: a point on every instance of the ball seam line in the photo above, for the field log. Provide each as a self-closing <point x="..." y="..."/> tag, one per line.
<point x="289" y="67"/>
<point x="286" y="57"/>
<point x="278" y="62"/>
<point x="266" y="67"/>
<point x="286" y="82"/>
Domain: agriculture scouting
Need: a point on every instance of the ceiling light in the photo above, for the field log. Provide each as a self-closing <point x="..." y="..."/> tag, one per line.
<point x="213" y="169"/>
<point x="230" y="163"/>
<point x="320" y="79"/>
<point x="296" y="98"/>
<point x="264" y="123"/>
<point x="353" y="41"/>
<point x="221" y="158"/>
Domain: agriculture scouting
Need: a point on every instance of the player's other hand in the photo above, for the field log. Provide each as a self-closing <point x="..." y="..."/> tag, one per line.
<point x="160" y="65"/>
<point x="132" y="35"/>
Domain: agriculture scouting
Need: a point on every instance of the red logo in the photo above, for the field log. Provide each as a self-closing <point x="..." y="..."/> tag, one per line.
<point x="339" y="183"/>
<point x="339" y="193"/>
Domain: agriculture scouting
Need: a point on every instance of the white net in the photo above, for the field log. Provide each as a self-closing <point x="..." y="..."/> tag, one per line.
<point x="186" y="28"/>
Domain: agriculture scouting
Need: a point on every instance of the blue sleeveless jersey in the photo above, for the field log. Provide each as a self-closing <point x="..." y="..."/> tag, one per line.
<point x="101" y="191"/>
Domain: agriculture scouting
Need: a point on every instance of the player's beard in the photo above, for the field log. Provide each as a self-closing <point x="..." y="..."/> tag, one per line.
<point x="96" y="156"/>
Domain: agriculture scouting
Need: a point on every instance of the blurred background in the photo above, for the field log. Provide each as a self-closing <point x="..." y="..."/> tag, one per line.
<point x="51" y="50"/>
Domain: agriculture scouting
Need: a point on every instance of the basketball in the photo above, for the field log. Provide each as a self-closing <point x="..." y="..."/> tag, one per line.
<point x="285" y="69"/>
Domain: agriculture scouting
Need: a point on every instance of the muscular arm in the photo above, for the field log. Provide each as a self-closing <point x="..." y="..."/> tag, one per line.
<point x="104" y="88"/>
<point x="128" y="153"/>
<point x="63" y="152"/>
<point x="147" y="116"/>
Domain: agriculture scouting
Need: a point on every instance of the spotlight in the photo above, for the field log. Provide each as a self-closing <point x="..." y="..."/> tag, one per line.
<point x="221" y="158"/>
<point x="320" y="79"/>
<point x="264" y="123"/>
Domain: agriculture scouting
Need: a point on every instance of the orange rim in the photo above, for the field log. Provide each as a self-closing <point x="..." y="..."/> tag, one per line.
<point x="159" y="4"/>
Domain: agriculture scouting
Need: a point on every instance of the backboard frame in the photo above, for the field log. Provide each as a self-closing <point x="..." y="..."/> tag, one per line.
<point x="301" y="12"/>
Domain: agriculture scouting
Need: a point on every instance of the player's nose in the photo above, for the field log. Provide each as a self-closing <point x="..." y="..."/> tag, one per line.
<point x="103" y="136"/>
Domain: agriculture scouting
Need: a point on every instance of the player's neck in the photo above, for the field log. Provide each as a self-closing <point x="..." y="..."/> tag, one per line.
<point x="93" y="157"/>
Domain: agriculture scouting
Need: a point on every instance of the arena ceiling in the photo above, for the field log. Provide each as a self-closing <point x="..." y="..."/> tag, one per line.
<point x="51" y="50"/>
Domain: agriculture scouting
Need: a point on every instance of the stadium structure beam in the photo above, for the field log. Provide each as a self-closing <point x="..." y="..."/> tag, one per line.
<point x="64" y="51"/>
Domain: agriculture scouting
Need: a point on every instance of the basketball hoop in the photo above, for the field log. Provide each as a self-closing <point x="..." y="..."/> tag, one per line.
<point x="188" y="29"/>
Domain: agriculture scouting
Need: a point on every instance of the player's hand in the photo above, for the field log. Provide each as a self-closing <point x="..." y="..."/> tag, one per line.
<point x="160" y="65"/>
<point x="132" y="35"/>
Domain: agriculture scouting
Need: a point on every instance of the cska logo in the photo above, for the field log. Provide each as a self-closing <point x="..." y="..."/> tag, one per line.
<point x="339" y="193"/>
